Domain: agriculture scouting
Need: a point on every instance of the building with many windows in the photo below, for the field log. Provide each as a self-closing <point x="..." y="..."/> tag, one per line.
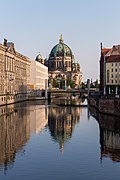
<point x="110" y="70"/>
<point x="14" y="74"/>
<point x="38" y="74"/>
<point x="19" y="74"/>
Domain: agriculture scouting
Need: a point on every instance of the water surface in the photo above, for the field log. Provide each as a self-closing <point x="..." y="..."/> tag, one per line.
<point x="39" y="141"/>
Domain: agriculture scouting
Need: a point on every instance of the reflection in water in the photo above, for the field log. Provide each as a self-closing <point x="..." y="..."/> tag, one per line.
<point x="65" y="101"/>
<point x="61" y="122"/>
<point x="109" y="135"/>
<point x="38" y="117"/>
<point x="17" y="121"/>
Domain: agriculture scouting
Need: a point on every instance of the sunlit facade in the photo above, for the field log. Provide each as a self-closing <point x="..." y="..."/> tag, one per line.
<point x="110" y="70"/>
<point x="14" y="74"/>
<point x="38" y="75"/>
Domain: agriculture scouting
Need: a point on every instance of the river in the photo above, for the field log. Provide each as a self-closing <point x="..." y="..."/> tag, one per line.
<point x="41" y="141"/>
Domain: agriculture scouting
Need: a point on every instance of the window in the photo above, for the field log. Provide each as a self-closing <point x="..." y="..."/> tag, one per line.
<point x="107" y="76"/>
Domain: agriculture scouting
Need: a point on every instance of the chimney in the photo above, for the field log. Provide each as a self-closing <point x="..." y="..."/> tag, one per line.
<point x="114" y="48"/>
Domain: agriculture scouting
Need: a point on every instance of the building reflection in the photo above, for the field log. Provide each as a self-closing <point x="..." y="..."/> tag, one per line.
<point x="109" y="135"/>
<point x="14" y="133"/>
<point x="17" y="122"/>
<point x="61" y="123"/>
<point x="38" y="118"/>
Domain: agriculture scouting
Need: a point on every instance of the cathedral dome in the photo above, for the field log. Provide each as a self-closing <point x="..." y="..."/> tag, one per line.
<point x="40" y="58"/>
<point x="60" y="49"/>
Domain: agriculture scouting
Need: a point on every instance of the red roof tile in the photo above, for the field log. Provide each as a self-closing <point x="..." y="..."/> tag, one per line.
<point x="105" y="50"/>
<point x="113" y="58"/>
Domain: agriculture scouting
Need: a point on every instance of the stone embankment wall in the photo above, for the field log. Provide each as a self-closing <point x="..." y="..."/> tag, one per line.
<point x="12" y="98"/>
<point x="106" y="105"/>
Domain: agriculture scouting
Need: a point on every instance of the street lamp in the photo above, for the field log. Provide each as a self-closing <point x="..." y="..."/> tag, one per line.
<point x="88" y="86"/>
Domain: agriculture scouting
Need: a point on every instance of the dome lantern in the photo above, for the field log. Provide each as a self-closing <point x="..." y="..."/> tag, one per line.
<point x="60" y="50"/>
<point x="61" y="39"/>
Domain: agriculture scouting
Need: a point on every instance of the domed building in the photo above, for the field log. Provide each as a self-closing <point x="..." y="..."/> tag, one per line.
<point x="40" y="58"/>
<point x="63" y="69"/>
<point x="38" y="74"/>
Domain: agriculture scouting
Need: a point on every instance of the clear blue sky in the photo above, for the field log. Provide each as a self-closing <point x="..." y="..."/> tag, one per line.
<point x="35" y="26"/>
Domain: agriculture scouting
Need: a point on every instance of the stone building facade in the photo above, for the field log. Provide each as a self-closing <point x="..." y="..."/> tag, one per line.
<point x="14" y="74"/>
<point x="110" y="70"/>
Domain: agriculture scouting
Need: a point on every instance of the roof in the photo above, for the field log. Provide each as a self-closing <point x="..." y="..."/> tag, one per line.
<point x="60" y="49"/>
<point x="9" y="44"/>
<point x="113" y="58"/>
<point x="40" y="59"/>
<point x="105" y="50"/>
<point x="115" y="50"/>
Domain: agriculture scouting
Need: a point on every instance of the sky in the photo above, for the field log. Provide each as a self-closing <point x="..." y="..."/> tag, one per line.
<point x="35" y="26"/>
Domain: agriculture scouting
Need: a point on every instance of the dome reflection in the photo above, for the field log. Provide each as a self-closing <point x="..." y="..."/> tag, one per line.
<point x="61" y="123"/>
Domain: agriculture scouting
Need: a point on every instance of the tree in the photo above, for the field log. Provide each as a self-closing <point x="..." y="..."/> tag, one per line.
<point x="96" y="84"/>
<point x="71" y="83"/>
<point x="83" y="85"/>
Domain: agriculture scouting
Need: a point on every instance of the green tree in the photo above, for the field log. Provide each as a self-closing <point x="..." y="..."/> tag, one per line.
<point x="71" y="83"/>
<point x="96" y="84"/>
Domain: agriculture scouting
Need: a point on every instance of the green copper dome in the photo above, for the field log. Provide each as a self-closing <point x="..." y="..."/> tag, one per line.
<point x="60" y="49"/>
<point x="40" y="58"/>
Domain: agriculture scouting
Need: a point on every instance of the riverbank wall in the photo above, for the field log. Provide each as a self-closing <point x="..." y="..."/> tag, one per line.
<point x="105" y="105"/>
<point x="7" y="99"/>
